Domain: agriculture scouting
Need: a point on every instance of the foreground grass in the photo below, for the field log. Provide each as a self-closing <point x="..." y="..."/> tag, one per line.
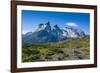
<point x="73" y="49"/>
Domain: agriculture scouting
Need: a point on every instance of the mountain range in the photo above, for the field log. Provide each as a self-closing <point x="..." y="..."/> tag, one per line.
<point x="45" y="33"/>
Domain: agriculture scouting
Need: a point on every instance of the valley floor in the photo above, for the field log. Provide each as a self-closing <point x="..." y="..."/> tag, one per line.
<point x="74" y="49"/>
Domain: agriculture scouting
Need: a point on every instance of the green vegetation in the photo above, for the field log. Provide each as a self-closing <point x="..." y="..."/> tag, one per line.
<point x="73" y="49"/>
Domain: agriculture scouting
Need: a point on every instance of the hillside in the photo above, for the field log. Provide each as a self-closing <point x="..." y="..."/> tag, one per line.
<point x="72" y="49"/>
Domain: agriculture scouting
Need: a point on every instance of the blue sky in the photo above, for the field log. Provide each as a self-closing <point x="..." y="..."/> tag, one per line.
<point x="31" y="19"/>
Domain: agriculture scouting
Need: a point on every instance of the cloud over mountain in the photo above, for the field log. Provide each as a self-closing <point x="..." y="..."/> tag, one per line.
<point x="72" y="24"/>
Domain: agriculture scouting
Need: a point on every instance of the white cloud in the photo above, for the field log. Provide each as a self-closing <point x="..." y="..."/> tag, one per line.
<point x="72" y="24"/>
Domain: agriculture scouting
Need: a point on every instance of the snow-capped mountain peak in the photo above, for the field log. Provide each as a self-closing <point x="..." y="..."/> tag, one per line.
<point x="74" y="33"/>
<point x="41" y="27"/>
<point x="44" y="27"/>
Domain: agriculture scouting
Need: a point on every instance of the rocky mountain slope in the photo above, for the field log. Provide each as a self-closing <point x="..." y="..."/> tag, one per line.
<point x="44" y="34"/>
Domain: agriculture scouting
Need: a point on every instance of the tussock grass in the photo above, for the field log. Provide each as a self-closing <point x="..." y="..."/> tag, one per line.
<point x="73" y="49"/>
